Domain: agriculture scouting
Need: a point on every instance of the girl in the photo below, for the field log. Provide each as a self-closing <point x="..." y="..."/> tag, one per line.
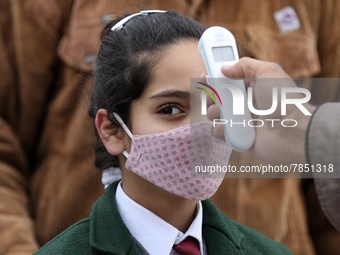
<point x="141" y="111"/>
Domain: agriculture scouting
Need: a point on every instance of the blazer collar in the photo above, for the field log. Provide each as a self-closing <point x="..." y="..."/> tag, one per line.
<point x="109" y="234"/>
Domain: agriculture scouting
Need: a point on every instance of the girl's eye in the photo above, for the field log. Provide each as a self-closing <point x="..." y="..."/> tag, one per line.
<point x="169" y="110"/>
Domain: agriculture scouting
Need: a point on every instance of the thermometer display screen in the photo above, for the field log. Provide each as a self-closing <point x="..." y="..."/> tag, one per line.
<point x="223" y="54"/>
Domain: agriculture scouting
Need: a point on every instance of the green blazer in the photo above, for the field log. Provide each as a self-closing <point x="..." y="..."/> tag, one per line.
<point x="104" y="232"/>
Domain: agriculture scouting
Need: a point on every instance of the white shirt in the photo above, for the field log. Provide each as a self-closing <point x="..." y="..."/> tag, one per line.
<point x="153" y="233"/>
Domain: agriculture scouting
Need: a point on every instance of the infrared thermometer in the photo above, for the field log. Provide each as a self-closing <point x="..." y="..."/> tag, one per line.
<point x="218" y="47"/>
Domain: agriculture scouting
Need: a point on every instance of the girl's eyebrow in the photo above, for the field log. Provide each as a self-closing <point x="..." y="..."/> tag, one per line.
<point x="171" y="93"/>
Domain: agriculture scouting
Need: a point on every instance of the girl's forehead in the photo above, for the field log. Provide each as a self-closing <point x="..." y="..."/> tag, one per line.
<point x="176" y="67"/>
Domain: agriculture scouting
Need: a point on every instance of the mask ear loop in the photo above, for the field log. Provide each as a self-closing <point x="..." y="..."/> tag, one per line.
<point x="126" y="129"/>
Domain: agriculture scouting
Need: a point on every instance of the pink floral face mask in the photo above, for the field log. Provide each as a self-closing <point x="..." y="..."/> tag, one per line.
<point x="170" y="159"/>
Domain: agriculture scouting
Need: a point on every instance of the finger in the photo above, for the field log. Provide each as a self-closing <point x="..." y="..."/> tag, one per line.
<point x="218" y="132"/>
<point x="253" y="68"/>
<point x="203" y="77"/>
<point x="213" y="112"/>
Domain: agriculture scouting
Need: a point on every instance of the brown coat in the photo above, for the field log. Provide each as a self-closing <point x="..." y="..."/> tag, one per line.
<point x="47" y="48"/>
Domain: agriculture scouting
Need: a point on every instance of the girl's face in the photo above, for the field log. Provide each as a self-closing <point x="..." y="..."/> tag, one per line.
<point x="165" y="102"/>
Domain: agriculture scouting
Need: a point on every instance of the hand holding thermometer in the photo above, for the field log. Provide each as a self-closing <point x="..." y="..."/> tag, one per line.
<point x="218" y="48"/>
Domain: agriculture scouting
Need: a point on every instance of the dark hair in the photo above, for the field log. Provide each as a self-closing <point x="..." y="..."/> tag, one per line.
<point x="125" y="61"/>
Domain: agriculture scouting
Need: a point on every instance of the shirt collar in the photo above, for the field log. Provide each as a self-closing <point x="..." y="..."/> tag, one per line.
<point x="153" y="233"/>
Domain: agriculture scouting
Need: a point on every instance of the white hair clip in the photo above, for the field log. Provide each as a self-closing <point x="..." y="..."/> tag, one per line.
<point x="120" y="24"/>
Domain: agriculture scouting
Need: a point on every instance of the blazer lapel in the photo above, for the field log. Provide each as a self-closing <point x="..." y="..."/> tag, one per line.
<point x="108" y="232"/>
<point x="219" y="232"/>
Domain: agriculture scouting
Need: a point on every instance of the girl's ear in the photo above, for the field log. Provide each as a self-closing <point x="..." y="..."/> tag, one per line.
<point x="112" y="138"/>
